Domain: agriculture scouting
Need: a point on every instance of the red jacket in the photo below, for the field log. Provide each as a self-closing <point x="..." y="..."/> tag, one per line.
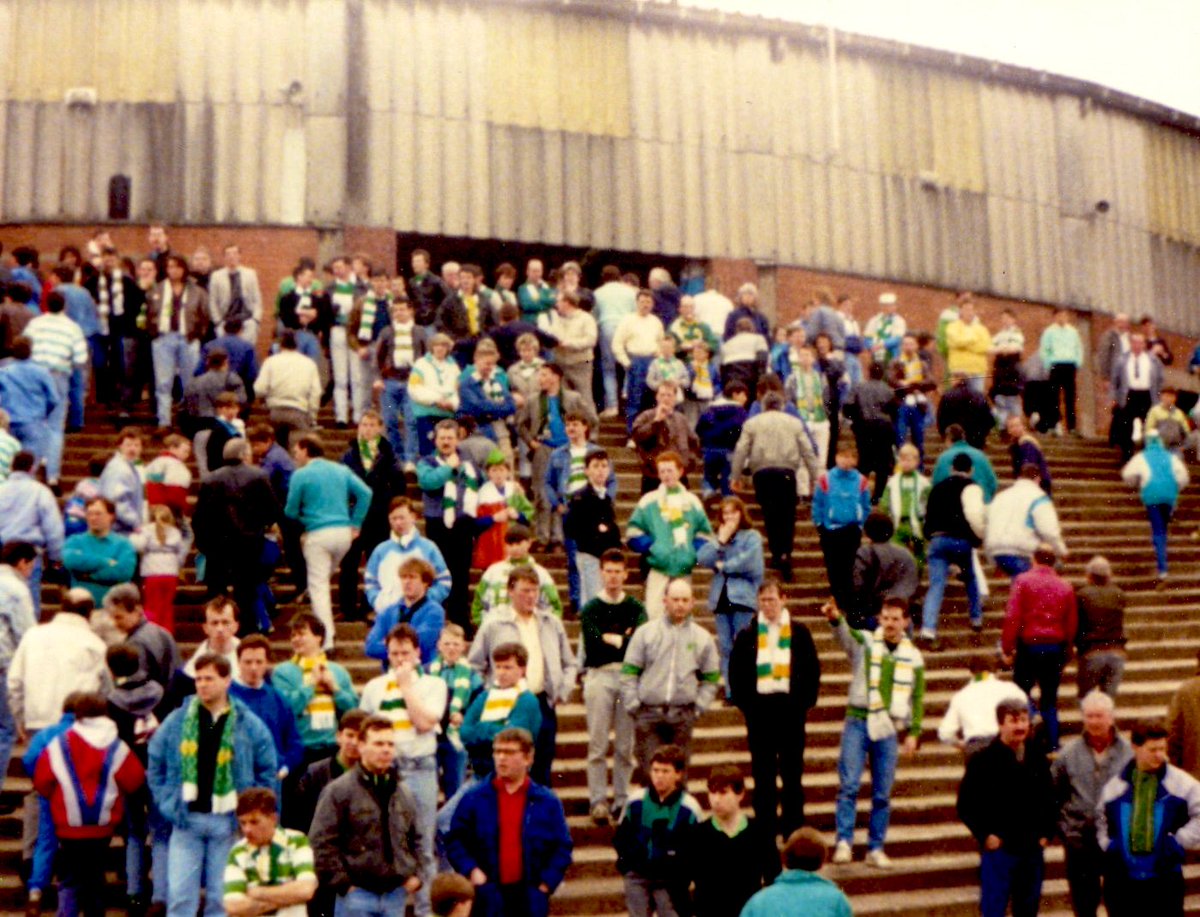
<point x="86" y="773"/>
<point x="1041" y="610"/>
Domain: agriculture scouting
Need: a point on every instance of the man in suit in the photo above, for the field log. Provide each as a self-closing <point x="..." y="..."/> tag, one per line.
<point x="1136" y="381"/>
<point x="233" y="292"/>
<point x="466" y="315"/>
<point x="1114" y="344"/>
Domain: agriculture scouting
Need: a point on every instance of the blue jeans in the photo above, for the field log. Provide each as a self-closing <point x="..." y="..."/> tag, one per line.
<point x="56" y="425"/>
<point x="41" y="870"/>
<point x="307" y="344"/>
<point x="445" y="819"/>
<point x="173" y="356"/>
<point x="635" y="388"/>
<point x="1012" y="564"/>
<point x="145" y="822"/>
<point x="35" y="591"/>
<point x="361" y="903"/>
<point x="1005" y="876"/>
<point x="420" y="775"/>
<point x="943" y="552"/>
<point x="729" y="625"/>
<point x="452" y="765"/>
<point x="34" y="437"/>
<point x="77" y="398"/>
<point x="716" y="472"/>
<point x="910" y="422"/>
<point x="197" y="854"/>
<point x="608" y="365"/>
<point x="396" y="404"/>
<point x="857" y="751"/>
<point x="1041" y="665"/>
<point x="588" y="566"/>
<point x="1160" y="517"/>
<point x="572" y="569"/>
<point x="8" y="727"/>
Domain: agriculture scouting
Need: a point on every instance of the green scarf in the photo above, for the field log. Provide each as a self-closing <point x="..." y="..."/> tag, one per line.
<point x="774" y="663"/>
<point x="1141" y="821"/>
<point x="810" y="395"/>
<point x="366" y="324"/>
<point x="368" y="451"/>
<point x="224" y="798"/>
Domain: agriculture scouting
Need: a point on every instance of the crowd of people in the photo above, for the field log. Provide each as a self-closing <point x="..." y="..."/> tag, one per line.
<point x="269" y="788"/>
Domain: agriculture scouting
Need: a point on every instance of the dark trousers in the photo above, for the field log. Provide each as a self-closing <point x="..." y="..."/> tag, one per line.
<point x="776" y="752"/>
<point x="545" y="742"/>
<point x="1161" y="897"/>
<point x="456" y="545"/>
<point x="1062" y="380"/>
<point x="874" y="440"/>
<point x="1015" y="877"/>
<point x="1042" y="666"/>
<point x="240" y="577"/>
<point x="1137" y="406"/>
<point x="351" y="599"/>
<point x="81" y="880"/>
<point x="838" y="546"/>
<point x="1085" y="864"/>
<point x="654" y="727"/>
<point x="775" y="491"/>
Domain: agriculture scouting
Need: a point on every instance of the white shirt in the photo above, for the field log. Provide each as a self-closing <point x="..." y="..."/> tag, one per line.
<point x="531" y="639"/>
<point x="713" y="308"/>
<point x="637" y="336"/>
<point x="432" y="695"/>
<point x="972" y="711"/>
<point x="289" y="379"/>
<point x="190" y="668"/>
<point x="1137" y="372"/>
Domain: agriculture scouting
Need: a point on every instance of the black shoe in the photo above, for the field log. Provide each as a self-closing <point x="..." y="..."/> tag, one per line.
<point x="137" y="906"/>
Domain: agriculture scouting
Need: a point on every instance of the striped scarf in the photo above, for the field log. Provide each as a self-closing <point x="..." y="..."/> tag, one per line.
<point x="810" y="398"/>
<point x="903" y="500"/>
<point x="774" y="658"/>
<point x="403" y="351"/>
<point x="321" y="713"/>
<point x="166" y="314"/>
<point x="224" y="797"/>
<point x="1141" y="819"/>
<point x="458" y="679"/>
<point x="395" y="709"/>
<point x="110" y="299"/>
<point x="368" y="451"/>
<point x="882" y="721"/>
<point x="466" y="474"/>
<point x="471" y="307"/>
<point x="492" y="387"/>
<point x="366" y="324"/>
<point x="672" y="507"/>
<point x="577" y="475"/>
<point x="702" y="382"/>
<point x="342" y="294"/>
<point x="499" y="703"/>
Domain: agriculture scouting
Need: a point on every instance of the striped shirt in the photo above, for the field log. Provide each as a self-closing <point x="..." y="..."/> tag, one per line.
<point x="58" y="343"/>
<point x="9" y="447"/>
<point x="286" y="858"/>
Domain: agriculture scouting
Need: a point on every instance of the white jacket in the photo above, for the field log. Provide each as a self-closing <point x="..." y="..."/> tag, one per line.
<point x="1020" y="518"/>
<point x="972" y="710"/>
<point x="289" y="379"/>
<point x="52" y="661"/>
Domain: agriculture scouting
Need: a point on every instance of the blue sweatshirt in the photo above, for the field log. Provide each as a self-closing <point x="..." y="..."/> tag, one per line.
<point x="842" y="497"/>
<point x="275" y="712"/>
<point x="321" y="493"/>
<point x="27" y="392"/>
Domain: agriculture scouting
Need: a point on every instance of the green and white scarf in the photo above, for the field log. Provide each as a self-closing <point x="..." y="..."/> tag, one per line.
<point x="224" y="797"/>
<point x="458" y="679"/>
<point x="774" y="659"/>
<point x="810" y="395"/>
<point x="498" y="705"/>
<point x="577" y="475"/>
<point x="321" y="711"/>
<point x="110" y="299"/>
<point x="465" y="472"/>
<point x="492" y="387"/>
<point x="366" y="325"/>
<point x="342" y="295"/>
<point x="673" y="505"/>
<point x="368" y="451"/>
<point x="882" y="722"/>
<point x="395" y="708"/>
<point x="904" y="500"/>
<point x="403" y="351"/>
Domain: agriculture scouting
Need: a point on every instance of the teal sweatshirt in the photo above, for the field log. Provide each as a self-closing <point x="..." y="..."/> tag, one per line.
<point x="320" y="495"/>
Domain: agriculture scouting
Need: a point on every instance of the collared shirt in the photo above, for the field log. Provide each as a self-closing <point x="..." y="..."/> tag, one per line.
<point x="510" y="817"/>
<point x="1137" y="372"/>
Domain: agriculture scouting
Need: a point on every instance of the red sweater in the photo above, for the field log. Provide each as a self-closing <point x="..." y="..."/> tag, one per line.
<point x="511" y="818"/>
<point x="1041" y="610"/>
<point x="69" y="773"/>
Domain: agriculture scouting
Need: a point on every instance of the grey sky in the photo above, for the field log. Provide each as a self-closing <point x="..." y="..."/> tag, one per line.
<point x="1143" y="47"/>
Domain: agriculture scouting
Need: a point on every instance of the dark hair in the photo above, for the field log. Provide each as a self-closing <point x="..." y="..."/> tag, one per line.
<point x="613" y="556"/>
<point x="109" y="506"/>
<point x="804" y="849"/>
<point x="596" y="455"/>
<point x="233" y="326"/>
<point x="352" y="719"/>
<point x="955" y="433"/>
<point x="56" y="302"/>
<point x="218" y="604"/>
<point x="217" y="357"/>
<point x="770" y="583"/>
<point x="408" y="502"/>
<point x="1009" y="707"/>
<point x="577" y="417"/>
<point x="373" y="723"/>
<point x="1031" y="471"/>
<point x="15" y="552"/>
<point x="19" y="292"/>
<point x="895" y="601"/>
<point x="515" y="735"/>
<point x="879" y="527"/>
<point x="448" y="891"/>
<point x="25" y="256"/>
<point x="260" y="433"/>
<point x="24" y="461"/>
<point x="735" y="387"/>
<point x="180" y="261"/>
<point x="257" y="799"/>
<point x="554" y="368"/>
<point x="673" y="755"/>
<point x="980" y="663"/>
<point x="403" y="633"/>
<point x="123" y="660"/>
<point x="125" y="596"/>
<point x="523" y="574"/>
<point x="306" y="619"/>
<point x="226" y="400"/>
<point x="610" y="273"/>
<point x="420" y="566"/>
<point x="726" y="777"/>
<point x="962" y="463"/>
<point x="22" y="348"/>
<point x="513" y="650"/>
<point x="254" y="642"/>
<point x="90" y="705"/>
<point x="517" y="533"/>
<point x="1044" y="555"/>
<point x="214" y="661"/>
<point x="311" y="444"/>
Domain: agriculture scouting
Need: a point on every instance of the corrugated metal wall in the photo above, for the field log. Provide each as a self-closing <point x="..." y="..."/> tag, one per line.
<point x="506" y="120"/>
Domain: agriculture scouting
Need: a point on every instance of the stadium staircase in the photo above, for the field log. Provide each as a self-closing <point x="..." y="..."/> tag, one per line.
<point x="935" y="861"/>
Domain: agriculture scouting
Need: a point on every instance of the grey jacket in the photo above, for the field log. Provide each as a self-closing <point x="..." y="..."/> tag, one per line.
<point x="1120" y="383"/>
<point x="347" y="836"/>
<point x="500" y="626"/>
<point x="672" y="665"/>
<point x="774" y="439"/>
<point x="1079" y="781"/>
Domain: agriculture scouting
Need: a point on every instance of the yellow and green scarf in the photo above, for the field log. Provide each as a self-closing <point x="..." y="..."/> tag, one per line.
<point x="224" y="797"/>
<point x="774" y="661"/>
<point x="500" y="702"/>
<point x="321" y="713"/>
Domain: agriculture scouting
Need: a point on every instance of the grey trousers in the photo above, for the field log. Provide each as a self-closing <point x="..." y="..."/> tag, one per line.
<point x="606" y="713"/>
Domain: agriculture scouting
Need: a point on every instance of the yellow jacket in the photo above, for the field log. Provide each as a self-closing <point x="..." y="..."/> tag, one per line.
<point x="968" y="347"/>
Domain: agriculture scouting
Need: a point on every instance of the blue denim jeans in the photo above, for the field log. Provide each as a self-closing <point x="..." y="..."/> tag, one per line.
<point x="34" y="437"/>
<point x="1042" y="666"/>
<point x="572" y="568"/>
<point x="1012" y="564"/>
<point x="361" y="903"/>
<point x="943" y="552"/>
<point x="608" y="365"/>
<point x="173" y="356"/>
<point x="420" y="775"/>
<point x="307" y="344"/>
<point x="910" y="423"/>
<point x="398" y="420"/>
<point x="729" y="625"/>
<point x="1005" y="876"/>
<point x="56" y="425"/>
<point x="148" y="836"/>
<point x="588" y="566"/>
<point x="857" y="752"/>
<point x="1159" y="515"/>
<point x="716" y="472"/>
<point x="445" y="819"/>
<point x="8" y="727"/>
<point x="197" y="855"/>
<point x="635" y="388"/>
<point x="41" y="869"/>
<point x="452" y="766"/>
<point x="77" y="397"/>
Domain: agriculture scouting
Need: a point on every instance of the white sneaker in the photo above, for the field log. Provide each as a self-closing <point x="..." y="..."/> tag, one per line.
<point x="842" y="853"/>
<point x="409" y="467"/>
<point x="878" y="859"/>
<point x="607" y="413"/>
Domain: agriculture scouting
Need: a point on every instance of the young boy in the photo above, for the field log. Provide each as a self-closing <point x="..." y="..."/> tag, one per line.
<point x="703" y="385"/>
<point x="666" y="367"/>
<point x="493" y="584"/>
<point x="591" y="525"/>
<point x="168" y="478"/>
<point x="729" y="857"/>
<point x="806" y="390"/>
<point x="463" y="683"/>
<point x="485" y="395"/>
<point x="504" y="705"/>
<point x="904" y="499"/>
<point x="270" y="869"/>
<point x="523" y="380"/>
<point x="652" y="837"/>
<point x="841" y="504"/>
<point x="1168" y="420"/>
<point x="415" y="607"/>
<point x="606" y="624"/>
<point x="718" y="430"/>
<point x="501" y="502"/>
<point x="451" y="895"/>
